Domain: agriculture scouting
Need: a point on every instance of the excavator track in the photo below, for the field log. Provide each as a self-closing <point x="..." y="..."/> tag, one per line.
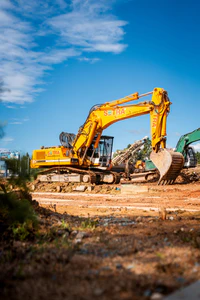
<point x="105" y="176"/>
<point x="168" y="163"/>
<point x="70" y="174"/>
<point x="64" y="173"/>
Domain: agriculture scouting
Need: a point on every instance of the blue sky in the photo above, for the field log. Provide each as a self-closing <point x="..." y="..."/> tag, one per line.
<point x="59" y="58"/>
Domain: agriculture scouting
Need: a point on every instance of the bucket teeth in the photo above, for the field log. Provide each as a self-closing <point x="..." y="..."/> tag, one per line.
<point x="169" y="164"/>
<point x="165" y="182"/>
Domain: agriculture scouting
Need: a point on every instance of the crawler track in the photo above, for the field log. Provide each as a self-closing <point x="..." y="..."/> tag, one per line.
<point x="86" y="176"/>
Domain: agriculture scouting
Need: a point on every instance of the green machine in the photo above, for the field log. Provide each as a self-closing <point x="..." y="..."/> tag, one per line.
<point x="183" y="146"/>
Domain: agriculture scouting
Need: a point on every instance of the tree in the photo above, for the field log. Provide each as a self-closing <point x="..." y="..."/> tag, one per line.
<point x="144" y="153"/>
<point x="198" y="157"/>
<point x="19" y="167"/>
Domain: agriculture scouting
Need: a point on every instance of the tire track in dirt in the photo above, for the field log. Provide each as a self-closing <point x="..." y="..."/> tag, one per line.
<point x="176" y="201"/>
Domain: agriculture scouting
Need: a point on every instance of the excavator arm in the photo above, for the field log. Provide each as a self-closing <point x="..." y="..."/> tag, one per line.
<point x="187" y="139"/>
<point x="102" y="116"/>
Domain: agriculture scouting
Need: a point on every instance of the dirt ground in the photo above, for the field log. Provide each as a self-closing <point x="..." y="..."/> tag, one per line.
<point x="103" y="244"/>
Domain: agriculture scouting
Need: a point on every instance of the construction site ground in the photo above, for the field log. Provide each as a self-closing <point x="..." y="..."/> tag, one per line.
<point x="104" y="243"/>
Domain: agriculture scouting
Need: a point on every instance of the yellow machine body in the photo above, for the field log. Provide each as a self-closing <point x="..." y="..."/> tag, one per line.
<point x="104" y="115"/>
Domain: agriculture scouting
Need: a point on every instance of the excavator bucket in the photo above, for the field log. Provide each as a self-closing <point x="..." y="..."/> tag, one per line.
<point x="168" y="163"/>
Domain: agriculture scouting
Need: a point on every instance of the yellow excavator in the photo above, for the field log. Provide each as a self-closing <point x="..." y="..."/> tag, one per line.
<point x="86" y="157"/>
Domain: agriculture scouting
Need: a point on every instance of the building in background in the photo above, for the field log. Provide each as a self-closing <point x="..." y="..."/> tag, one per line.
<point x="4" y="155"/>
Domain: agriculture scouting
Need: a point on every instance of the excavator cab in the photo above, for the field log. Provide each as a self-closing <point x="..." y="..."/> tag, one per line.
<point x="103" y="153"/>
<point x="190" y="158"/>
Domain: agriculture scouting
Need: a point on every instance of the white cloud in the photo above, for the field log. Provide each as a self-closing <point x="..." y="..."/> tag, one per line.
<point x="67" y="29"/>
<point x="90" y="60"/>
<point x="55" y="57"/>
<point x="196" y="147"/>
<point x="177" y="133"/>
<point x="5" y="4"/>
<point x="138" y="131"/>
<point x="86" y="27"/>
<point x="10" y="106"/>
<point x="7" y="139"/>
<point x="16" y="123"/>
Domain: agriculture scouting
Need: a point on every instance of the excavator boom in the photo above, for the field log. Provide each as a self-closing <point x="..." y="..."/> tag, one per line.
<point x="187" y="139"/>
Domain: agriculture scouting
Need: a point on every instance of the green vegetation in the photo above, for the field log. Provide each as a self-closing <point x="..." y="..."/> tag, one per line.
<point x="89" y="223"/>
<point x="20" y="231"/>
<point x="198" y="157"/>
<point x="17" y="215"/>
<point x="16" y="212"/>
<point x="19" y="167"/>
<point x="65" y="225"/>
<point x="145" y="152"/>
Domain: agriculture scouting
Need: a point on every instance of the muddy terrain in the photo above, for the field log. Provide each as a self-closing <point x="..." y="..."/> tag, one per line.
<point x="106" y="243"/>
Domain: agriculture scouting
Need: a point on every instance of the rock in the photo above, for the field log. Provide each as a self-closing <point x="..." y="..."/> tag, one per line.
<point x="81" y="235"/>
<point x="90" y="188"/>
<point x="151" y="220"/>
<point x="80" y="188"/>
<point x="129" y="267"/>
<point x="74" y="233"/>
<point x="138" y="219"/>
<point x="147" y="293"/>
<point x="156" y="296"/>
<point x="58" y="188"/>
<point x="118" y="266"/>
<point x="163" y="213"/>
<point x="56" y="221"/>
<point x="98" y="292"/>
<point x="77" y="241"/>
